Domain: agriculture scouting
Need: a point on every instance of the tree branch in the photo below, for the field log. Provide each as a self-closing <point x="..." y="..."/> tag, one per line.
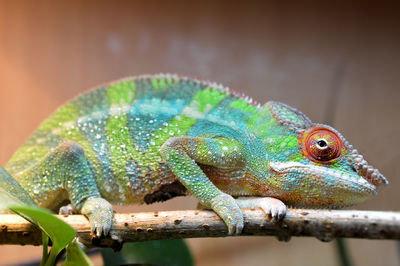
<point x="322" y="224"/>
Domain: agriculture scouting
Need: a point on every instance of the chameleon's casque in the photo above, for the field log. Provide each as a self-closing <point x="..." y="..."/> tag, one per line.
<point x="153" y="137"/>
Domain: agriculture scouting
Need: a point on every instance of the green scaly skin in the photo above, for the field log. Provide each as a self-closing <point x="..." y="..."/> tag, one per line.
<point x="154" y="137"/>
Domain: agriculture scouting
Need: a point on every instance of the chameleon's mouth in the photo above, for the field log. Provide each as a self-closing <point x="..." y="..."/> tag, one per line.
<point x="352" y="182"/>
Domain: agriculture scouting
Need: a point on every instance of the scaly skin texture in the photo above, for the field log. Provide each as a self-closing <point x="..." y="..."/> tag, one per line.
<point x="150" y="138"/>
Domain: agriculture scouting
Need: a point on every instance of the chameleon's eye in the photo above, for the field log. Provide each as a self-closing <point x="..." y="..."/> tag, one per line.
<point x="321" y="144"/>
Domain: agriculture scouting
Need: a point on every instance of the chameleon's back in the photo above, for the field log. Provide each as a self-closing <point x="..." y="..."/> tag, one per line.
<point x="121" y="127"/>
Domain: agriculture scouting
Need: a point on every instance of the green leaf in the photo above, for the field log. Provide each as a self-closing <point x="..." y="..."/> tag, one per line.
<point x="60" y="233"/>
<point x="158" y="252"/>
<point x="76" y="256"/>
<point x="45" y="250"/>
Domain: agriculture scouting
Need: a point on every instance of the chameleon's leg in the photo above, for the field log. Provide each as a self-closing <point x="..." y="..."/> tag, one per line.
<point x="181" y="155"/>
<point x="67" y="165"/>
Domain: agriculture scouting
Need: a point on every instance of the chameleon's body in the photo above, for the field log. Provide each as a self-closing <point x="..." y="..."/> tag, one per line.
<point x="151" y="138"/>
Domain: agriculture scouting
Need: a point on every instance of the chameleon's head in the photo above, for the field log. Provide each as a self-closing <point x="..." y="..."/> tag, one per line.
<point x="312" y="165"/>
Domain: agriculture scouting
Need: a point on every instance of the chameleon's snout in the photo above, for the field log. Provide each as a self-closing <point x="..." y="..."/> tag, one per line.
<point x="318" y="186"/>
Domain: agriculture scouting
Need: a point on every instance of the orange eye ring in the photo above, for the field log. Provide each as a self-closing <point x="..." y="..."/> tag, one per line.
<point x="321" y="144"/>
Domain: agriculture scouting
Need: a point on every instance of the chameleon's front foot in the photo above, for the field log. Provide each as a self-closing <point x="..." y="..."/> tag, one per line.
<point x="271" y="206"/>
<point x="227" y="208"/>
<point x="100" y="214"/>
<point x="66" y="210"/>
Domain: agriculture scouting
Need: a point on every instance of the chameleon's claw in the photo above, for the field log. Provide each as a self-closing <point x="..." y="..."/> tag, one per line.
<point x="227" y="208"/>
<point x="97" y="229"/>
<point x="100" y="214"/>
<point x="281" y="213"/>
<point x="238" y="228"/>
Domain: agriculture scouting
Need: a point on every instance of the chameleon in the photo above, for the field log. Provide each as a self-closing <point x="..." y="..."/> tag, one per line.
<point x="150" y="138"/>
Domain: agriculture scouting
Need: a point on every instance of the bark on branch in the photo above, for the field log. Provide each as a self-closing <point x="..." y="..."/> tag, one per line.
<point x="322" y="224"/>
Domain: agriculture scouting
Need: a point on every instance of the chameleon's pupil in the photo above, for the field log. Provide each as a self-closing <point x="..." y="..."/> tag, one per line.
<point x="322" y="143"/>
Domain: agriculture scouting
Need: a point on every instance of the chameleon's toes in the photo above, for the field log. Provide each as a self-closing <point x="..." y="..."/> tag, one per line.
<point x="234" y="223"/>
<point x="100" y="214"/>
<point x="236" y="227"/>
<point x="102" y="228"/>
<point x="227" y="208"/>
<point x="274" y="207"/>
<point x="66" y="210"/>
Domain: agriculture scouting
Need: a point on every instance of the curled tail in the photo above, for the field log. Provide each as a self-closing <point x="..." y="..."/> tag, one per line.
<point x="11" y="193"/>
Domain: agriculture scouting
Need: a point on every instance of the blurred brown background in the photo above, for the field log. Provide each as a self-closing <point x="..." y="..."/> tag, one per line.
<point x="336" y="62"/>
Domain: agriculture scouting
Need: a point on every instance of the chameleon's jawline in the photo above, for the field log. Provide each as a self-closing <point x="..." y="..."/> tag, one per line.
<point x="356" y="180"/>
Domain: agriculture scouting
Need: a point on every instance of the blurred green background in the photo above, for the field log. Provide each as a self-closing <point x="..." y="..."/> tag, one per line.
<point x="335" y="61"/>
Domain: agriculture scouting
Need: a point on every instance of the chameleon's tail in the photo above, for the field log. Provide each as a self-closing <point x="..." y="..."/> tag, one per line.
<point x="11" y="193"/>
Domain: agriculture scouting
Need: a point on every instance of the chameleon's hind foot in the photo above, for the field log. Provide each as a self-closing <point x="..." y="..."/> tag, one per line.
<point x="100" y="214"/>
